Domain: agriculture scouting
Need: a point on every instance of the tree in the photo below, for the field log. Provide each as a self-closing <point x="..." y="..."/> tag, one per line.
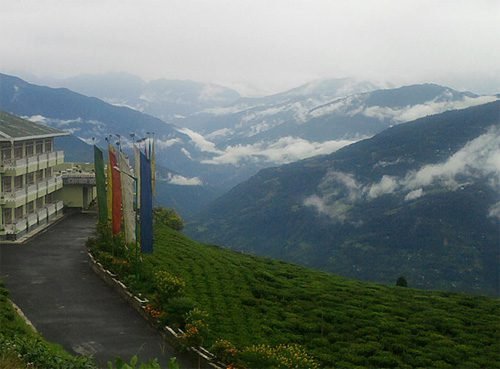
<point x="168" y="217"/>
<point x="401" y="282"/>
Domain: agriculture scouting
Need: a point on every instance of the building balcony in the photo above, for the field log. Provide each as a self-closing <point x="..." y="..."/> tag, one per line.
<point x="29" y="164"/>
<point x="32" y="219"/>
<point x="14" y="199"/>
<point x="35" y="220"/>
<point x="32" y="192"/>
<point x="42" y="215"/>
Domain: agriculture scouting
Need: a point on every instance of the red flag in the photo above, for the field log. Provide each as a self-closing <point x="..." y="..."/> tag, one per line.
<point x="117" y="192"/>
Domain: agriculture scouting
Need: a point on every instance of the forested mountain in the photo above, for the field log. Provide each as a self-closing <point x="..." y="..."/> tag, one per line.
<point x="420" y="199"/>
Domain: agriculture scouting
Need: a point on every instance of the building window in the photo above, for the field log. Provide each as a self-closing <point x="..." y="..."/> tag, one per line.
<point x="39" y="203"/>
<point x="7" y="216"/>
<point x="30" y="207"/>
<point x="18" y="182"/>
<point x="19" y="212"/>
<point x="30" y="179"/>
<point x="18" y="151"/>
<point x="6" y="184"/>
<point x="39" y="147"/>
<point x="49" y="198"/>
<point x="48" y="145"/>
<point x="6" y="152"/>
<point x="39" y="175"/>
<point x="30" y="148"/>
<point x="48" y="172"/>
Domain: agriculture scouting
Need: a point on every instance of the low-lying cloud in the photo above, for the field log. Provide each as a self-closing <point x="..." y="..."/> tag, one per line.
<point x="177" y="179"/>
<point x="412" y="112"/>
<point x="479" y="158"/>
<point x="285" y="150"/>
<point x="199" y="141"/>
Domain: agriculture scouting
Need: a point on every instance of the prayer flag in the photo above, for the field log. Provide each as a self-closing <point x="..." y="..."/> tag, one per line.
<point x="127" y="184"/>
<point x="100" y="181"/>
<point x="116" y="192"/>
<point x="146" y="206"/>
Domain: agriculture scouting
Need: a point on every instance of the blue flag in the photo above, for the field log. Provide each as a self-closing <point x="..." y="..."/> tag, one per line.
<point x="146" y="211"/>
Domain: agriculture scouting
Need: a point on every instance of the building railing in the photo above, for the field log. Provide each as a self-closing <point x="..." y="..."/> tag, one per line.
<point x="33" y="188"/>
<point x="51" y="209"/>
<point x="32" y="219"/>
<point x="59" y="206"/>
<point x="37" y="217"/>
<point x="41" y="188"/>
<point x="54" y="157"/>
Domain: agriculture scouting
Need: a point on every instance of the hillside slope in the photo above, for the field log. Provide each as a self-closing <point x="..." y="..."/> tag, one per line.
<point x="344" y="324"/>
<point x="420" y="199"/>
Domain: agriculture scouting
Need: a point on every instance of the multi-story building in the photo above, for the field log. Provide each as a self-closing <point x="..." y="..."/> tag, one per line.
<point x="28" y="181"/>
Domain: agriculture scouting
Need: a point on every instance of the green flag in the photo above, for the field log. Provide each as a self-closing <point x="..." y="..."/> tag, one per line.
<point x="100" y="181"/>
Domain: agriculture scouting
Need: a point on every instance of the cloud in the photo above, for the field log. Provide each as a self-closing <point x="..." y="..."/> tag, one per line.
<point x="338" y="191"/>
<point x="409" y="113"/>
<point x="200" y="142"/>
<point x="165" y="143"/>
<point x="337" y="210"/>
<point x="479" y="158"/>
<point x="219" y="133"/>
<point x="413" y="195"/>
<point x="187" y="153"/>
<point x="386" y="185"/>
<point x="341" y="181"/>
<point x="36" y="118"/>
<point x="494" y="211"/>
<point x="177" y="179"/>
<point x="285" y="150"/>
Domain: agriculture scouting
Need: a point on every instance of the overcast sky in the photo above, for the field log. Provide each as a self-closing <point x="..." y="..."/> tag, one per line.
<point x="269" y="44"/>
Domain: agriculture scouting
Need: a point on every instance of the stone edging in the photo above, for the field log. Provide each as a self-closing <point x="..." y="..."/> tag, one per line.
<point x="23" y="316"/>
<point x="206" y="359"/>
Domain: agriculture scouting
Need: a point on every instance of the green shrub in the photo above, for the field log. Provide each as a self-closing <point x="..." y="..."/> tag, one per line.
<point x="401" y="282"/>
<point x="167" y="286"/>
<point x="278" y="357"/>
<point x="225" y="351"/>
<point x="196" y="328"/>
<point x="176" y="310"/>
<point x="32" y="349"/>
<point x="168" y="217"/>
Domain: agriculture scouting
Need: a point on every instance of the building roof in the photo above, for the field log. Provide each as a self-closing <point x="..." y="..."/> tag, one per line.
<point x="13" y="128"/>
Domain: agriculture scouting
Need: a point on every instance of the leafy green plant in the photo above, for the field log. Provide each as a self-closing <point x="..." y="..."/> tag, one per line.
<point x="196" y="328"/>
<point x="135" y="364"/>
<point x="168" y="217"/>
<point x="167" y="285"/>
<point x="278" y="357"/>
<point x="401" y="282"/>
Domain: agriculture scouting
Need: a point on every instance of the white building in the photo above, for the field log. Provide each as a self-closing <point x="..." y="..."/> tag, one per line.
<point x="28" y="181"/>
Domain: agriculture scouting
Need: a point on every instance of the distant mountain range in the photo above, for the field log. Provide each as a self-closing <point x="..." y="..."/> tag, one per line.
<point x="220" y="139"/>
<point x="420" y="199"/>
<point x="169" y="100"/>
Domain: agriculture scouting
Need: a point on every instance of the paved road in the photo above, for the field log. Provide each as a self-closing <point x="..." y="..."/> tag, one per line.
<point x="50" y="279"/>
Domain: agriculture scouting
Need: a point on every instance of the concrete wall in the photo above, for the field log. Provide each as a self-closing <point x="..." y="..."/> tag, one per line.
<point x="77" y="196"/>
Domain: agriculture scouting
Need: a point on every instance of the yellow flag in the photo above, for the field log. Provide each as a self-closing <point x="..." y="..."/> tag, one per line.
<point x="109" y="191"/>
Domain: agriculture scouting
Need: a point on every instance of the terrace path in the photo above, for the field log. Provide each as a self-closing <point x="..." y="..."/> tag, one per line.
<point x="50" y="279"/>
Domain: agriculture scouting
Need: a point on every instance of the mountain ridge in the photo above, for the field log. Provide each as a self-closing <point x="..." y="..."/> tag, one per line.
<point x="359" y="202"/>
